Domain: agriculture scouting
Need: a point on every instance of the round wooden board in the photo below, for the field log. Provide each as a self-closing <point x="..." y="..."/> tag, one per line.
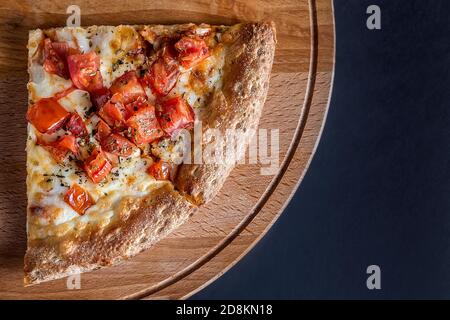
<point x="220" y="233"/>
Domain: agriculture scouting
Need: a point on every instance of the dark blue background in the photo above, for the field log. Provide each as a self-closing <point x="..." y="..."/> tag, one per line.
<point x="378" y="189"/>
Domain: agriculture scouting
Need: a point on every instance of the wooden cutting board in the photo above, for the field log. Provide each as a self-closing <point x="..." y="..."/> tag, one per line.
<point x="221" y="232"/>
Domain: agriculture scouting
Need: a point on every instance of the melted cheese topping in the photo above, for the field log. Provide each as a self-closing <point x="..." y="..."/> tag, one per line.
<point x="77" y="101"/>
<point x="48" y="181"/>
<point x="45" y="85"/>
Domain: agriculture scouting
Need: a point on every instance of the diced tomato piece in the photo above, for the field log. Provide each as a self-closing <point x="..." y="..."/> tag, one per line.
<point x="161" y="170"/>
<point x="76" y="125"/>
<point x="67" y="142"/>
<point x="60" y="48"/>
<point x="97" y="166"/>
<point x="103" y="130"/>
<point x="161" y="77"/>
<point x="114" y="111"/>
<point x="63" y="49"/>
<point x="129" y="86"/>
<point x="191" y="50"/>
<point x="163" y="73"/>
<point x="144" y="126"/>
<point x="84" y="71"/>
<point x="47" y="115"/>
<point x="59" y="148"/>
<point x="78" y="198"/>
<point x="175" y="114"/>
<point x="55" y="58"/>
<point x="100" y="97"/>
<point x="118" y="145"/>
<point x="134" y="106"/>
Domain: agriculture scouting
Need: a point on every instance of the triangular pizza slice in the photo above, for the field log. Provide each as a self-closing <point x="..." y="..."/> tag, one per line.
<point x="119" y="118"/>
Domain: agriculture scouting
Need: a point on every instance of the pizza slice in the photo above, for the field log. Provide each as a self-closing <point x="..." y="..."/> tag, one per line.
<point x="116" y="115"/>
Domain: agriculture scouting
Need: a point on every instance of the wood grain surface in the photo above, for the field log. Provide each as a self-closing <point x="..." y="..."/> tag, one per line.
<point x="217" y="236"/>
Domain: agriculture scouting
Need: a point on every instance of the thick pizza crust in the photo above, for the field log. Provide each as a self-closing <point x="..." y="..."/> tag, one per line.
<point x="142" y="221"/>
<point x="248" y="63"/>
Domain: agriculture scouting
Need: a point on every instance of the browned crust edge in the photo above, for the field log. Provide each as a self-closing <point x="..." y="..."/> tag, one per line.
<point x="140" y="224"/>
<point x="144" y="221"/>
<point x="238" y="105"/>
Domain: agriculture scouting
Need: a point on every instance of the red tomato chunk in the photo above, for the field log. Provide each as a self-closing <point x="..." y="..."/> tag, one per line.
<point x="163" y="73"/>
<point x="78" y="198"/>
<point x="175" y="114"/>
<point x="191" y="51"/>
<point x="47" y="115"/>
<point x="160" y="170"/>
<point x="84" y="71"/>
<point x="55" y="58"/>
<point x="143" y="125"/>
<point x="97" y="166"/>
<point x="117" y="145"/>
<point x="129" y="87"/>
<point x="76" y="125"/>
